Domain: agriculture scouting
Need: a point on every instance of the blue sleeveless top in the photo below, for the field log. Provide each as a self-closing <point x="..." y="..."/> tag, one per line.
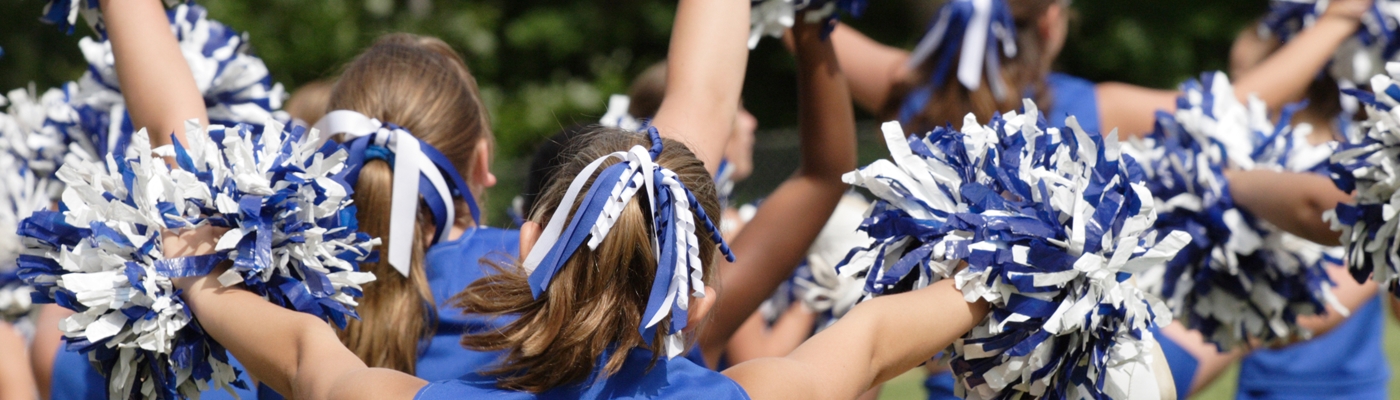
<point x="451" y="266"/>
<point x="75" y="378"/>
<point x="1073" y="96"/>
<point x="1345" y="363"/>
<point x="676" y="378"/>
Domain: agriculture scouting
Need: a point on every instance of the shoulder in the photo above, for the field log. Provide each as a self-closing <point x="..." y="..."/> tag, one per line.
<point x="1059" y="80"/>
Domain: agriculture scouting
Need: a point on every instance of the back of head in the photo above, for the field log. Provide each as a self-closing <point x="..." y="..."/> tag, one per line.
<point x="595" y="302"/>
<point x="647" y="92"/>
<point x="1024" y="75"/>
<point x="308" y="102"/>
<point x="420" y="84"/>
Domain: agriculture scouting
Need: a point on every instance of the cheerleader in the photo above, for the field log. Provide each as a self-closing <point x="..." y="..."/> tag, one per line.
<point x="1345" y="359"/>
<point x="786" y="223"/>
<point x="932" y="86"/>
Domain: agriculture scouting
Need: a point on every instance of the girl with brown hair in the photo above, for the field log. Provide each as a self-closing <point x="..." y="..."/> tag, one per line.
<point x="983" y="56"/>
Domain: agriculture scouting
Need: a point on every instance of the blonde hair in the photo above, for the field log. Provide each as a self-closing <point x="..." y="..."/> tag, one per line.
<point x="949" y="103"/>
<point x="421" y="84"/>
<point x="596" y="300"/>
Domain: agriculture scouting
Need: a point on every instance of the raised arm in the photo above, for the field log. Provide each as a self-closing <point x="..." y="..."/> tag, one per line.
<point x="1279" y="80"/>
<point x="755" y="339"/>
<point x="155" y="79"/>
<point x="1291" y="201"/>
<point x="871" y="67"/>
<point x="293" y="353"/>
<point x="878" y="340"/>
<point x="776" y="240"/>
<point x="705" y="76"/>
<point x="16" y="380"/>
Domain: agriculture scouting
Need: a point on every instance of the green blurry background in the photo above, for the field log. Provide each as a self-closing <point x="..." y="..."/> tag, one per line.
<point x="543" y="65"/>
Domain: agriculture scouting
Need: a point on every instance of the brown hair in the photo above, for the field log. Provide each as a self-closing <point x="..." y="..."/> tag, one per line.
<point x="1026" y="72"/>
<point x="597" y="299"/>
<point x="647" y="91"/>
<point x="421" y="84"/>
<point x="308" y="102"/>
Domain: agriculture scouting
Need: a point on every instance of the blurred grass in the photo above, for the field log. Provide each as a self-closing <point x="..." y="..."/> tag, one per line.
<point x="910" y="385"/>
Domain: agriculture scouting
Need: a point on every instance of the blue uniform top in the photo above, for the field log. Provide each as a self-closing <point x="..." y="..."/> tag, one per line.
<point x="451" y="266"/>
<point x="75" y="378"/>
<point x="1347" y="362"/>
<point x="1073" y="96"/>
<point x="676" y="378"/>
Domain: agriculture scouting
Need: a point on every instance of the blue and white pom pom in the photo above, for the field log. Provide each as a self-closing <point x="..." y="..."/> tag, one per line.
<point x="1239" y="278"/>
<point x="1368" y="165"/>
<point x="22" y="192"/>
<point x="773" y="17"/>
<point x="292" y="239"/>
<point x="64" y="14"/>
<point x="675" y="216"/>
<point x="821" y="287"/>
<point x="1051" y="223"/>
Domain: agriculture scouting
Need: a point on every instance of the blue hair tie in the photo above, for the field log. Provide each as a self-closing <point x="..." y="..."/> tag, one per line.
<point x="379" y="153"/>
<point x="674" y="211"/>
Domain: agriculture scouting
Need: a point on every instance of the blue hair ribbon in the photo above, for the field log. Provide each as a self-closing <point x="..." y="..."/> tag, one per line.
<point x="419" y="169"/>
<point x="674" y="211"/>
<point x="970" y="32"/>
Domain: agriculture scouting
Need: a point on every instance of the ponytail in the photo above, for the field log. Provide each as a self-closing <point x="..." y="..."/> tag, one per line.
<point x="587" y="317"/>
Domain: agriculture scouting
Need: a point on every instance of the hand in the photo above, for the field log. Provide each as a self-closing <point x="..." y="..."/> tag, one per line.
<point x="1350" y="10"/>
<point x="192" y="242"/>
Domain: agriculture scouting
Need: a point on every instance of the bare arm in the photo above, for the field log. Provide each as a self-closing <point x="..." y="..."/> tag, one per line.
<point x="291" y="352"/>
<point x="47" y="339"/>
<point x="871" y="67"/>
<point x="16" y="379"/>
<point x="776" y="240"/>
<point x="756" y="340"/>
<point x="1279" y="80"/>
<point x="156" y="81"/>
<point x="705" y="76"/>
<point x="862" y="349"/>
<point x="1291" y="201"/>
<point x="1352" y="295"/>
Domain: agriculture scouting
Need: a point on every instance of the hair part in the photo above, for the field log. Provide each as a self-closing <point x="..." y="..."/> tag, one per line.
<point x="421" y="84"/>
<point x="1023" y="75"/>
<point x="596" y="301"/>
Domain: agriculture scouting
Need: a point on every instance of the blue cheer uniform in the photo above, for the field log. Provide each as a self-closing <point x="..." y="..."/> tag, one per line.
<point x="940" y="386"/>
<point x="1183" y="365"/>
<point x="1073" y="96"/>
<point x="74" y="378"/>
<point x="676" y="378"/>
<point x="1347" y="362"/>
<point x="451" y="266"/>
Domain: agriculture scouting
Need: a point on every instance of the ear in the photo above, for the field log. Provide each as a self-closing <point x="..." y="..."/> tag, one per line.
<point x="700" y="308"/>
<point x="529" y="234"/>
<point x="481" y="167"/>
<point x="1049" y="23"/>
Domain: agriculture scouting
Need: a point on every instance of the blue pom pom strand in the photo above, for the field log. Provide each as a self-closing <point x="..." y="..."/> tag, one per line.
<point x="1046" y="225"/>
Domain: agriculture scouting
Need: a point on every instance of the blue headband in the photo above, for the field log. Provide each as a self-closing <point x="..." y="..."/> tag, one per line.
<point x="970" y="31"/>
<point x="679" y="270"/>
<point x="425" y="171"/>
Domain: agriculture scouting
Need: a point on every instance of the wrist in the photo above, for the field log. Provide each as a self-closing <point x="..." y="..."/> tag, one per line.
<point x="1339" y="21"/>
